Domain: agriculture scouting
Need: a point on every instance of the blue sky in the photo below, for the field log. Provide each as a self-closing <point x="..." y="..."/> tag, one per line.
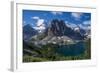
<point x="35" y="17"/>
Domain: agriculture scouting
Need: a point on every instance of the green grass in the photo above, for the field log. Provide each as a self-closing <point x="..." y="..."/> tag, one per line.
<point x="48" y="53"/>
<point x="33" y="59"/>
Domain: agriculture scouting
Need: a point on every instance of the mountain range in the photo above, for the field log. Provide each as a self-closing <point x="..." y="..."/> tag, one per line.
<point x="56" y="32"/>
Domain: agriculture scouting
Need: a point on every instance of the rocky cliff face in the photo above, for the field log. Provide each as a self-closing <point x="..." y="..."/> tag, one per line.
<point x="59" y="28"/>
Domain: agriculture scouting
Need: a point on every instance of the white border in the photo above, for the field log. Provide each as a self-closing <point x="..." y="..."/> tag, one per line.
<point x="17" y="38"/>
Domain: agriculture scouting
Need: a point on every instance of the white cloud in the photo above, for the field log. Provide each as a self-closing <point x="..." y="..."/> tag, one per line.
<point x="56" y="13"/>
<point x="40" y="26"/>
<point x="40" y="29"/>
<point x="84" y="27"/>
<point x="76" y="15"/>
<point x="40" y="22"/>
<point x="72" y="25"/>
<point x="87" y="22"/>
<point x="77" y="26"/>
<point x="35" y="17"/>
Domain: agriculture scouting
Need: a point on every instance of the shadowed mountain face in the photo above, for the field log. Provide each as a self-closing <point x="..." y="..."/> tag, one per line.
<point x="28" y="32"/>
<point x="59" y="28"/>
